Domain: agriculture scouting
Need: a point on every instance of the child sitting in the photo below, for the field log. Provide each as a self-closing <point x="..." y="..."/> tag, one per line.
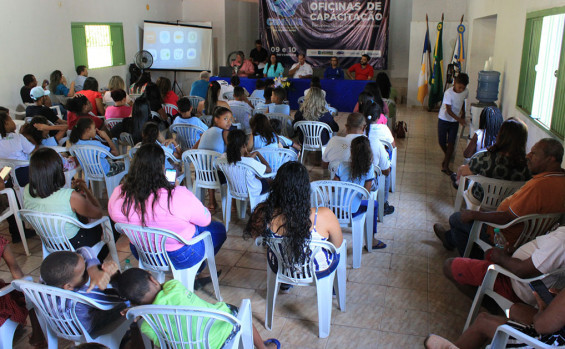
<point x="490" y="122"/>
<point x="259" y="89"/>
<point x="72" y="271"/>
<point x="244" y="108"/>
<point x="14" y="146"/>
<point x="40" y="97"/>
<point x="284" y="141"/>
<point x="79" y="107"/>
<point x="360" y="171"/>
<point x="262" y="134"/>
<point x="277" y="100"/>
<point x="121" y="109"/>
<point x="37" y="132"/>
<point x="264" y="106"/>
<point x="215" y="138"/>
<point x="140" y="288"/>
<point x="237" y="151"/>
<point x="151" y="134"/>
<point x="85" y="132"/>
<point x="185" y="117"/>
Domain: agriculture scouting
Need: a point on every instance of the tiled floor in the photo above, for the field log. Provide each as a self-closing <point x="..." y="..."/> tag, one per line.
<point x="394" y="300"/>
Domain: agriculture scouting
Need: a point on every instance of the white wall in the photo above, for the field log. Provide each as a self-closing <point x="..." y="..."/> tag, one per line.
<point x="36" y="36"/>
<point x="508" y="41"/>
<point x="399" y="38"/>
<point x="242" y="25"/>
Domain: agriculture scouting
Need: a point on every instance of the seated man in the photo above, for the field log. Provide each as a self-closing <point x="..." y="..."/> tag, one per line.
<point x="546" y="324"/>
<point x="240" y="100"/>
<point x="362" y="70"/>
<point x="82" y="74"/>
<point x="301" y="69"/>
<point x="140" y="287"/>
<point x="277" y="102"/>
<point x="540" y="256"/>
<point x="185" y="116"/>
<point x="71" y="271"/>
<point x="544" y="193"/>
<point x="29" y="83"/>
<point x="338" y="150"/>
<point x="40" y="96"/>
<point x="200" y="87"/>
<point x="334" y="71"/>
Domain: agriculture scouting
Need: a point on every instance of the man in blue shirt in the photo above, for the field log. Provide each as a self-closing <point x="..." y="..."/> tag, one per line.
<point x="334" y="72"/>
<point x="200" y="87"/>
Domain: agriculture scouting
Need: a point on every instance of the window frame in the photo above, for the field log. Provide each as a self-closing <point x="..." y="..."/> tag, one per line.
<point x="526" y="85"/>
<point x="78" y="37"/>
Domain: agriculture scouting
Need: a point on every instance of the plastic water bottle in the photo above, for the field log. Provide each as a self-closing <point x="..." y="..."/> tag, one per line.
<point x="127" y="265"/>
<point x="499" y="239"/>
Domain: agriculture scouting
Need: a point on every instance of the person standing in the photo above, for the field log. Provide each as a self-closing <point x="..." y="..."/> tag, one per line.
<point x="259" y="57"/>
<point x="334" y="71"/>
<point x="362" y="70"/>
<point x="301" y="69"/>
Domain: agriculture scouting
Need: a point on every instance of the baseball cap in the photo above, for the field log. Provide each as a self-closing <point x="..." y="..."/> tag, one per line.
<point x="38" y="92"/>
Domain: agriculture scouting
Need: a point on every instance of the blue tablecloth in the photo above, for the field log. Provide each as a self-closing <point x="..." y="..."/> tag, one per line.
<point x="340" y="94"/>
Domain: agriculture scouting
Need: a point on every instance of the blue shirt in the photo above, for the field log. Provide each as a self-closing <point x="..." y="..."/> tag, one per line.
<point x="272" y="72"/>
<point x="212" y="139"/>
<point x="344" y="174"/>
<point x="333" y="73"/>
<point x="49" y="142"/>
<point x="190" y="121"/>
<point x="285" y="141"/>
<point x="61" y="90"/>
<point x="96" y="143"/>
<point x="260" y="142"/>
<point x="199" y="88"/>
<point x="279" y="108"/>
<point x="258" y="94"/>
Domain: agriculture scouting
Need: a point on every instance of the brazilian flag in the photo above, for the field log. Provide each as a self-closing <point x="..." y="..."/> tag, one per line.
<point x="436" y="78"/>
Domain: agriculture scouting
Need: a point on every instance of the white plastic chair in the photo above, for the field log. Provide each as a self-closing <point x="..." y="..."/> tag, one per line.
<point x="173" y="324"/>
<point x="286" y="123"/>
<point x="57" y="110"/>
<point x="236" y="175"/>
<point x="503" y="333"/>
<point x="90" y="159"/>
<point x="392" y="164"/>
<point x="110" y="123"/>
<point x="111" y="103"/>
<point x="207" y="119"/>
<point x="51" y="229"/>
<point x="187" y="135"/>
<point x="9" y="327"/>
<point x="332" y="110"/>
<point x="242" y="115"/>
<point x="18" y="189"/>
<point x="256" y="100"/>
<point x="228" y="95"/>
<point x="338" y="196"/>
<point x="300" y="100"/>
<point x="171" y="109"/>
<point x="312" y="131"/>
<point x="150" y="246"/>
<point x="487" y="288"/>
<point x="305" y="275"/>
<point x="57" y="313"/>
<point x="276" y="157"/>
<point x="194" y="101"/>
<point x="13" y="209"/>
<point x="495" y="191"/>
<point x="533" y="226"/>
<point x="205" y="173"/>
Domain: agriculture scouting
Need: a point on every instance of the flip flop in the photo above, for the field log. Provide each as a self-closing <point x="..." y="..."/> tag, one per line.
<point x="380" y="245"/>
<point x="201" y="282"/>
<point x="273" y="340"/>
<point x="447" y="172"/>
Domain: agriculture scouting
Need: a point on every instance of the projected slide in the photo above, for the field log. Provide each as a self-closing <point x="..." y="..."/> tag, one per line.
<point x="178" y="47"/>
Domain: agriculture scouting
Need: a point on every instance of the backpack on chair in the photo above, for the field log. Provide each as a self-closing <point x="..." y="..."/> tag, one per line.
<point x="401" y="129"/>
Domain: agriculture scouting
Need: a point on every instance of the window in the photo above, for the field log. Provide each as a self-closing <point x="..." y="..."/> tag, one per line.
<point x="98" y="45"/>
<point x="541" y="91"/>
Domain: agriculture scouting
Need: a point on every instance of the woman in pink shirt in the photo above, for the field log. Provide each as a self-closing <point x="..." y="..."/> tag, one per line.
<point x="146" y="198"/>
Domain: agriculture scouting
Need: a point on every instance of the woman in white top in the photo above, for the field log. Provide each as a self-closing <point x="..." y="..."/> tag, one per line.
<point x="376" y="128"/>
<point x="14" y="146"/>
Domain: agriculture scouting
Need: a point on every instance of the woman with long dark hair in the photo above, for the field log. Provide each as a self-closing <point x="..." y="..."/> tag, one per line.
<point x="287" y="213"/>
<point x="90" y="91"/>
<point x="146" y="198"/>
<point x="207" y="106"/>
<point x="139" y="85"/>
<point x="273" y="68"/>
<point x="490" y="121"/>
<point x="505" y="159"/>
<point x="58" y="84"/>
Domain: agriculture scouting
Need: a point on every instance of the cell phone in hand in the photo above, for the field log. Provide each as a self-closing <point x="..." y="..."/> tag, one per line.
<point x="539" y="287"/>
<point x="5" y="172"/>
<point x="171" y="175"/>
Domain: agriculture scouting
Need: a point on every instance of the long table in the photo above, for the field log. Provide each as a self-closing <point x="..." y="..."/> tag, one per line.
<point x="340" y="94"/>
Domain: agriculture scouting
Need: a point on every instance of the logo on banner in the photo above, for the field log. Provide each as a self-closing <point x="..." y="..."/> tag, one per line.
<point x="284" y="8"/>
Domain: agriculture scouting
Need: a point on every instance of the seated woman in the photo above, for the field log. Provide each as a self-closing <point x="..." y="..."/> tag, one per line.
<point x="90" y="90"/>
<point x="153" y="96"/>
<point x="287" y="213"/>
<point x="167" y="94"/>
<point x="314" y="109"/>
<point x="505" y="159"/>
<point x="262" y="134"/>
<point x="116" y="83"/>
<point x="489" y="124"/>
<point x="151" y="134"/>
<point x="140" y="114"/>
<point x="80" y="107"/>
<point x="146" y="198"/>
<point x="46" y="193"/>
<point x="14" y="146"/>
<point x="207" y="106"/>
<point x="138" y="87"/>
<point x="244" y="66"/>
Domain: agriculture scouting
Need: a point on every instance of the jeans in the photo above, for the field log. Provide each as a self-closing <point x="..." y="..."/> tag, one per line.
<point x="190" y="255"/>
<point x="459" y="232"/>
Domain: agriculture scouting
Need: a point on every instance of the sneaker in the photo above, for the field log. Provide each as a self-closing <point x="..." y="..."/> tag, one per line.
<point x="388" y="209"/>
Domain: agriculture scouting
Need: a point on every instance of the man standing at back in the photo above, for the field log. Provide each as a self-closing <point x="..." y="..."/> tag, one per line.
<point x="200" y="87"/>
<point x="259" y="57"/>
<point x="301" y="70"/>
<point x="362" y="70"/>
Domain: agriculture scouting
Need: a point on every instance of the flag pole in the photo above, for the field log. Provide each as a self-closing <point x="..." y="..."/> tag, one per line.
<point x="430" y="51"/>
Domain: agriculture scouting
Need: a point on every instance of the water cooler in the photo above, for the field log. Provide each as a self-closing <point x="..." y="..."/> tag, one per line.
<point x="487" y="94"/>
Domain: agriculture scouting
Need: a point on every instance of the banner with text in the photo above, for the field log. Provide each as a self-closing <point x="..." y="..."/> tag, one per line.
<point x="322" y="29"/>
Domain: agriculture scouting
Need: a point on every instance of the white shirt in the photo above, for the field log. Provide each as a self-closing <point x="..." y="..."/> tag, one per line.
<point x="455" y="100"/>
<point x="15" y="147"/>
<point x="381" y="131"/>
<point x="338" y="150"/>
<point x="253" y="183"/>
<point x="305" y="69"/>
<point x="548" y="254"/>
